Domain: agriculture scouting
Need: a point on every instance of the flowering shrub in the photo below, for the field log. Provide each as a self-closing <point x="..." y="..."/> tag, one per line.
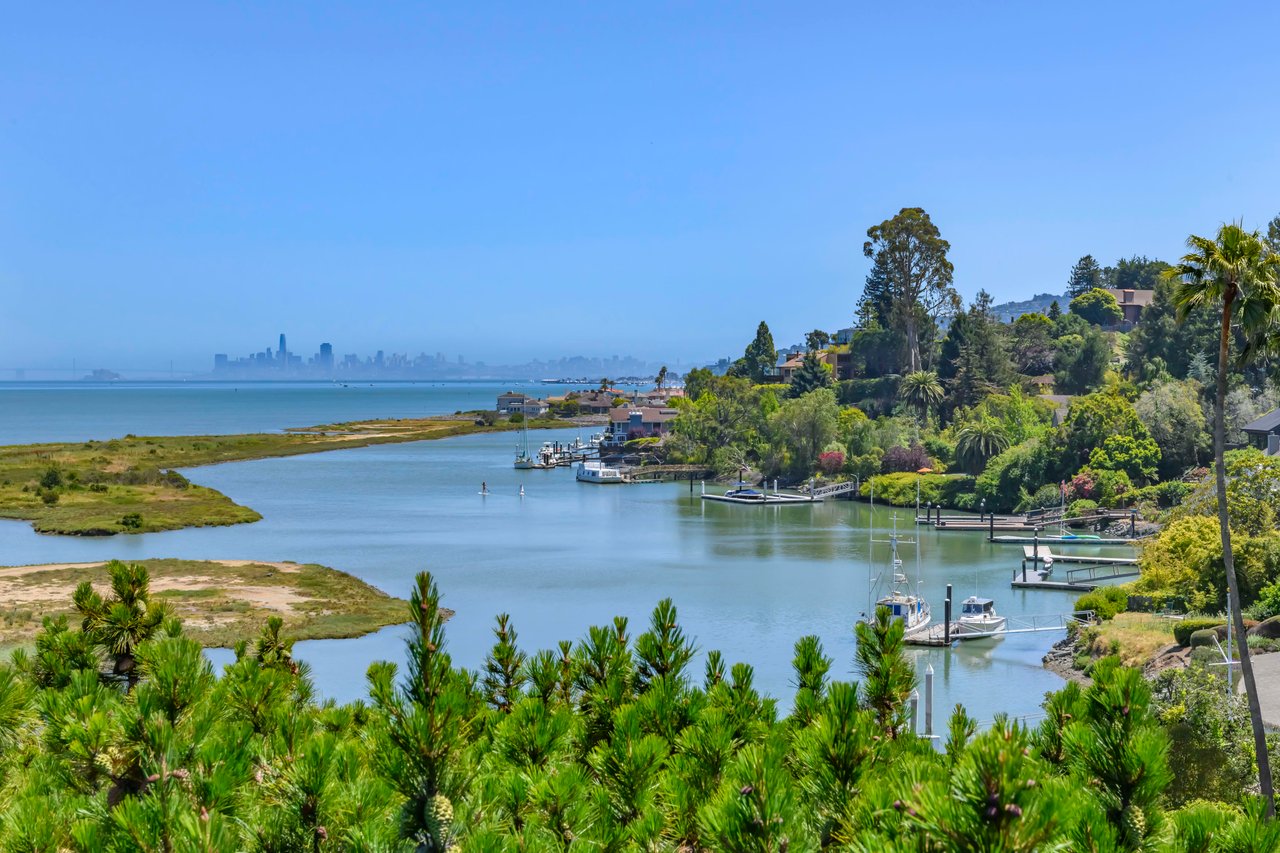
<point x="831" y="462"/>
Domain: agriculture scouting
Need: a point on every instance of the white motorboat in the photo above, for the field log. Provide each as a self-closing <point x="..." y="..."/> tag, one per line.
<point x="593" y="471"/>
<point x="978" y="616"/>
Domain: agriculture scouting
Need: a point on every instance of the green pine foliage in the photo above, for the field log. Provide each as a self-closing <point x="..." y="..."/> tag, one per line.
<point x="603" y="744"/>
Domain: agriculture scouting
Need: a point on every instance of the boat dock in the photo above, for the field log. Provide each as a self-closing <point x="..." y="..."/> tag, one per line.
<point x="1030" y="524"/>
<point x="948" y="634"/>
<point x="1058" y="540"/>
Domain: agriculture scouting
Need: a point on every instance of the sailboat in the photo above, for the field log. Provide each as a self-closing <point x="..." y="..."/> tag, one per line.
<point x="907" y="607"/>
<point x="524" y="461"/>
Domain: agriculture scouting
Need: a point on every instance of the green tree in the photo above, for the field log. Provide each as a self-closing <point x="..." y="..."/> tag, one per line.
<point x="1098" y="307"/>
<point x="816" y="340"/>
<point x="1055" y="310"/>
<point x="422" y="725"/>
<point x="1081" y="361"/>
<point x="1171" y="412"/>
<point x="1136" y="273"/>
<point x="1085" y="276"/>
<point x="814" y="373"/>
<point x="1033" y="349"/>
<point x="1233" y="274"/>
<point x="761" y="355"/>
<point x="922" y="390"/>
<point x="804" y="426"/>
<point x="122" y="623"/>
<point x="887" y="674"/>
<point x="661" y="379"/>
<point x="504" y="667"/>
<point x="910" y="278"/>
<point x="978" y="440"/>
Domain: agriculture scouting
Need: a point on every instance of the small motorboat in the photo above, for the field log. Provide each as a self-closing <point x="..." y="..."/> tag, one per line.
<point x="978" y="616"/>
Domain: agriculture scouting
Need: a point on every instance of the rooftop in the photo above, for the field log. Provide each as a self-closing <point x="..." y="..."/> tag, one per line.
<point x="1268" y="423"/>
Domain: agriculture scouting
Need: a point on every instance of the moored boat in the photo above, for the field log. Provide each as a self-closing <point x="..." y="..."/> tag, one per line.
<point x="978" y="616"/>
<point x="592" y="471"/>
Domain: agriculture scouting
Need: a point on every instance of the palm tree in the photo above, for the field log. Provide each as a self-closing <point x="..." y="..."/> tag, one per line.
<point x="922" y="390"/>
<point x="1236" y="275"/>
<point x="978" y="441"/>
<point x="122" y="624"/>
<point x="662" y="377"/>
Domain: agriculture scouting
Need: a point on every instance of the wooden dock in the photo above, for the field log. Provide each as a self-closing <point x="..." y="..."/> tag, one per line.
<point x="1058" y="540"/>
<point x="1039" y="579"/>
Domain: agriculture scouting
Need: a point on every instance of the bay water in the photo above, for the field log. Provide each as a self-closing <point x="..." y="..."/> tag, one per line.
<point x="748" y="581"/>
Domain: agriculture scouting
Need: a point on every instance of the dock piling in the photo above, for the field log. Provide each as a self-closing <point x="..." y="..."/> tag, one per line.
<point x="928" y="701"/>
<point x="915" y="707"/>
<point x="946" y="610"/>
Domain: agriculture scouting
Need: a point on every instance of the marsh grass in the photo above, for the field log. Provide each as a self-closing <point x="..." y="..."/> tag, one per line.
<point x="218" y="602"/>
<point x="131" y="485"/>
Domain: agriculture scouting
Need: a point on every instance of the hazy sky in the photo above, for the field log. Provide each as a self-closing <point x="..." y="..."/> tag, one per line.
<point x="537" y="179"/>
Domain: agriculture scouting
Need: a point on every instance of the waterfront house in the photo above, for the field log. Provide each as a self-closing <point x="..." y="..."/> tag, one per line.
<point x="1132" y="302"/>
<point x="1264" y="433"/>
<point x="513" y="402"/>
<point x="598" y="402"/>
<point x="642" y="421"/>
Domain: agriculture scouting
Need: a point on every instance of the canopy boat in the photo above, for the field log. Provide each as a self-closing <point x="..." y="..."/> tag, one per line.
<point x="592" y="471"/>
<point x="978" y="616"/>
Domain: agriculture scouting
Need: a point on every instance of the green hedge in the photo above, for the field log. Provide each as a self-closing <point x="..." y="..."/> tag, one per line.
<point x="1203" y="637"/>
<point x="1105" y="601"/>
<point x="899" y="489"/>
<point x="1183" y="630"/>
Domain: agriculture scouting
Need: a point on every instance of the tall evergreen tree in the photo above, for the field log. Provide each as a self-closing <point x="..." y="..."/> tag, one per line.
<point x="814" y="373"/>
<point x="761" y="355"/>
<point x="887" y="675"/>
<point x="1085" y="276"/>
<point x="504" y="667"/>
<point x="909" y="285"/>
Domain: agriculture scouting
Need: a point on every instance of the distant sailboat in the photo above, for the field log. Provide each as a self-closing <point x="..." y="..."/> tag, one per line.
<point x="524" y="461"/>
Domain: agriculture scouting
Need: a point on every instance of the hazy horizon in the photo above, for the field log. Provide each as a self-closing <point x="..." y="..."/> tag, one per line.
<point x="513" y="182"/>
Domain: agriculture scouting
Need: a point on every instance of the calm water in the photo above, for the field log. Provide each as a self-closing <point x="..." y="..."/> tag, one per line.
<point x="747" y="580"/>
<point x="76" y="411"/>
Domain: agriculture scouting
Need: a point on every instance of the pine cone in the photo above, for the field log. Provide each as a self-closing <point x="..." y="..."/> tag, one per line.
<point x="438" y="816"/>
<point x="1135" y="822"/>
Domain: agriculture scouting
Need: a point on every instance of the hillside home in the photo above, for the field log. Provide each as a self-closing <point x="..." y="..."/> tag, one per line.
<point x="1132" y="302"/>
<point x="1264" y="433"/>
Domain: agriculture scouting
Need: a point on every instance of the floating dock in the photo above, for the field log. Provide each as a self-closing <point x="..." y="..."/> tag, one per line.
<point x="937" y="635"/>
<point x="1039" y="579"/>
<point x="1058" y="540"/>
<point x="762" y="499"/>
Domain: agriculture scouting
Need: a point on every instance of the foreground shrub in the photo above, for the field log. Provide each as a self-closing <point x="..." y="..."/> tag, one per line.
<point x="1105" y="601"/>
<point x="1183" y="630"/>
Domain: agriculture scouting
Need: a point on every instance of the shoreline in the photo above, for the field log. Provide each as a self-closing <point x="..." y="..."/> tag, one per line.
<point x="133" y="485"/>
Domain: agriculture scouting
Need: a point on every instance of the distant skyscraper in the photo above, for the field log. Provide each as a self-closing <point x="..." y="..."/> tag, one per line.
<point x="326" y="356"/>
<point x="283" y="354"/>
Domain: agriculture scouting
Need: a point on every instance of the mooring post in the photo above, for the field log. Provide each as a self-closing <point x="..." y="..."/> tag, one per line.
<point x="946" y="610"/>
<point x="704" y="487"/>
<point x="1133" y="524"/>
<point x="915" y="703"/>
<point x="991" y="534"/>
<point x="928" y="701"/>
<point x="1035" y="551"/>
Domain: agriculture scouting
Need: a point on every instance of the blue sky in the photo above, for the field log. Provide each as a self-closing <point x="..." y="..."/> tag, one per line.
<point x="518" y="180"/>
